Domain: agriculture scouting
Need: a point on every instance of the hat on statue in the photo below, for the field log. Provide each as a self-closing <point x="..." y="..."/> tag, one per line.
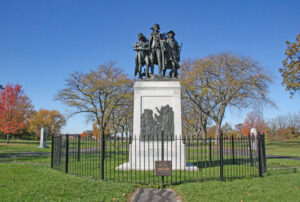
<point x="155" y="25"/>
<point x="171" y="32"/>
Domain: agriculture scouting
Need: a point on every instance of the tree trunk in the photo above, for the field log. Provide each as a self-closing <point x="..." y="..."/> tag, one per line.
<point x="7" y="138"/>
<point x="218" y="130"/>
<point x="203" y="131"/>
<point x="218" y="122"/>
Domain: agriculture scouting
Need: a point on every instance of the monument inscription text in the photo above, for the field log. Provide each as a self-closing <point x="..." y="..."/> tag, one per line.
<point x="163" y="168"/>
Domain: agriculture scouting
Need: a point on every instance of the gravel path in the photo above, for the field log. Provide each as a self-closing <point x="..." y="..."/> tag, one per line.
<point x="24" y="154"/>
<point x="283" y="157"/>
<point x="30" y="163"/>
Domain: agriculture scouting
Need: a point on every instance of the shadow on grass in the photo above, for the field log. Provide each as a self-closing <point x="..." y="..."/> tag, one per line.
<point x="226" y="162"/>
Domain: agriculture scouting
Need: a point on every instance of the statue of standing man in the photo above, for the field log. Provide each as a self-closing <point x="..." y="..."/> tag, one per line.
<point x="154" y="42"/>
<point x="173" y="53"/>
<point x="142" y="55"/>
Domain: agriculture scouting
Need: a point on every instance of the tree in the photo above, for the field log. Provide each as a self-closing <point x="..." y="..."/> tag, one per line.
<point x="284" y="126"/>
<point x="14" y="108"/>
<point x="254" y="120"/>
<point x="52" y="120"/>
<point x="195" y="120"/>
<point x="96" y="131"/>
<point x="98" y="93"/>
<point x="224" y="80"/>
<point x="291" y="67"/>
<point x="238" y="127"/>
<point x="190" y="119"/>
<point x="227" y="129"/>
<point x="122" y="118"/>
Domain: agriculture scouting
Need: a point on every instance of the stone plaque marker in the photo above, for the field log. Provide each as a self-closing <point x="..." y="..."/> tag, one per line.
<point x="43" y="139"/>
<point x="163" y="168"/>
<point x="253" y="133"/>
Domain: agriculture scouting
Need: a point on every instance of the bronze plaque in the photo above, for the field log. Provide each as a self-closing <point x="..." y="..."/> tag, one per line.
<point x="163" y="168"/>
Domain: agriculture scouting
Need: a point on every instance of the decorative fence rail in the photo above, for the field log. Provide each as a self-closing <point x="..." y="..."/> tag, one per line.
<point x="132" y="160"/>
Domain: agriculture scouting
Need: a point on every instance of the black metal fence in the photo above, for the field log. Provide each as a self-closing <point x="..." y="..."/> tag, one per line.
<point x="130" y="159"/>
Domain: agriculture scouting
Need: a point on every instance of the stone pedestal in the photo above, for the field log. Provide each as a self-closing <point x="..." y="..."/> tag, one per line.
<point x="156" y="94"/>
<point x="43" y="138"/>
<point x="153" y="96"/>
<point x="143" y="154"/>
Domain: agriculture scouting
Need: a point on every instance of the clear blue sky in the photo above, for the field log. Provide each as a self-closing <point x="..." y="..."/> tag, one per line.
<point x="42" y="42"/>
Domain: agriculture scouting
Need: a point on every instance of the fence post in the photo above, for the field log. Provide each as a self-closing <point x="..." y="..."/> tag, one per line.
<point x="250" y="149"/>
<point x="260" y="160"/>
<point x="78" y="147"/>
<point x="210" y="149"/>
<point x="59" y="144"/>
<point x="67" y="154"/>
<point x="232" y="149"/>
<point x="162" y="155"/>
<point x="102" y="154"/>
<point x="264" y="153"/>
<point x="52" y="147"/>
<point x="221" y="156"/>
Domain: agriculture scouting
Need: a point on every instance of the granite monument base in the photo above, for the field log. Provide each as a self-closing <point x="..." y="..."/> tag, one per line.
<point x="157" y="107"/>
<point x="143" y="154"/>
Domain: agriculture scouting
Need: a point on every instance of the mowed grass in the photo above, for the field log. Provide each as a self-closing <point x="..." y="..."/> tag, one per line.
<point x="283" y="148"/>
<point x="27" y="182"/>
<point x="89" y="165"/>
<point x="41" y="183"/>
<point x="276" y="186"/>
<point x="17" y="147"/>
<point x="284" y="163"/>
<point x="22" y="147"/>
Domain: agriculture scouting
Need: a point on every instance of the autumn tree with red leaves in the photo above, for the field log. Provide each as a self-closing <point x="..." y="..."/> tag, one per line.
<point x="14" y="107"/>
<point x="254" y="120"/>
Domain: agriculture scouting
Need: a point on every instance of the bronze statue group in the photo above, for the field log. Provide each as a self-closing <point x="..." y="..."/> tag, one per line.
<point x="161" y="49"/>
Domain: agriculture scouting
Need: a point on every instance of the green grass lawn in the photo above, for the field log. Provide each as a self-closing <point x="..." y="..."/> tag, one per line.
<point x="17" y="147"/>
<point x="41" y="183"/>
<point x="282" y="163"/>
<point x="283" y="148"/>
<point x="26" y="182"/>
<point x="277" y="186"/>
<point x="89" y="165"/>
<point x="21" y="147"/>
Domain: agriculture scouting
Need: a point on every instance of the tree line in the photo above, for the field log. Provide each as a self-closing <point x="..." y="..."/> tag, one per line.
<point x="282" y="127"/>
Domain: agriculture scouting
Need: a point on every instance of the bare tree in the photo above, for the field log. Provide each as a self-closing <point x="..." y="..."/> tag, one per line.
<point x="122" y="118"/>
<point x="224" y="80"/>
<point x="285" y="126"/>
<point x="195" y="120"/>
<point x="98" y="93"/>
